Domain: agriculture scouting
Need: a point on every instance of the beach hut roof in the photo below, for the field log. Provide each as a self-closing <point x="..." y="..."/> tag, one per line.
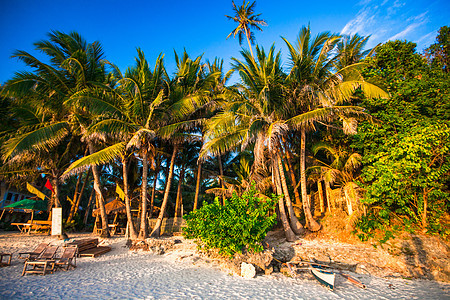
<point x="115" y="206"/>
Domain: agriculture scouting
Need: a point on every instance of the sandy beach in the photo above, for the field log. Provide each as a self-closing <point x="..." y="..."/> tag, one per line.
<point x="180" y="274"/>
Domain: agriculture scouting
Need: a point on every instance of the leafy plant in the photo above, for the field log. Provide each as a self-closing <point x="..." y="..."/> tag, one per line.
<point x="240" y="224"/>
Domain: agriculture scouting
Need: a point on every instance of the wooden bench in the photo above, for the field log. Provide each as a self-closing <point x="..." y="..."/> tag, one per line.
<point x="40" y="225"/>
<point x="34" y="226"/>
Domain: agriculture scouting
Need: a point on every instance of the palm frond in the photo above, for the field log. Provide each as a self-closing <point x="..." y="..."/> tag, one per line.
<point x="41" y="139"/>
<point x="98" y="158"/>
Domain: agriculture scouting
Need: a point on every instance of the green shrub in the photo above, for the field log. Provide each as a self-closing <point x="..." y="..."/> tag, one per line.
<point x="241" y="224"/>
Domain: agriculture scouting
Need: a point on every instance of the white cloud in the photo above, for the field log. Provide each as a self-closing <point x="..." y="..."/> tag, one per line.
<point x="402" y="34"/>
<point x="388" y="20"/>
<point x="427" y="38"/>
<point x="359" y="23"/>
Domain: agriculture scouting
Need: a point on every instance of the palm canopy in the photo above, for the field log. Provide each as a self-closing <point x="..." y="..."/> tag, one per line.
<point x="314" y="87"/>
<point x="247" y="21"/>
<point x="252" y="113"/>
<point x="351" y="50"/>
<point x="126" y="115"/>
<point x="342" y="166"/>
<point x="73" y="64"/>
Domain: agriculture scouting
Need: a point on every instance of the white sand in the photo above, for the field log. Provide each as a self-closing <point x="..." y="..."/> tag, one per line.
<point x="181" y="274"/>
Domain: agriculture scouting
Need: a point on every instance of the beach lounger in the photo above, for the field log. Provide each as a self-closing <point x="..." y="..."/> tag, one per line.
<point x="8" y="261"/>
<point x="43" y="264"/>
<point x="32" y="255"/>
<point x="68" y="258"/>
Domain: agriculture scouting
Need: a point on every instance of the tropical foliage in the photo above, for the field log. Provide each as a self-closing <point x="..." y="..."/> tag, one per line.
<point x="241" y="224"/>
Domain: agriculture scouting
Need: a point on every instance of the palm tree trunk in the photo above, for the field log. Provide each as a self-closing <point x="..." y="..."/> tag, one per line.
<point x="329" y="196"/>
<point x="295" y="224"/>
<point x="80" y="194"/>
<point x="157" y="229"/>
<point x="179" y="201"/>
<point x="219" y="157"/>
<point x="197" y="185"/>
<point x="155" y="181"/>
<point x="131" y="228"/>
<point x="290" y="168"/>
<point x="143" y="233"/>
<point x="288" y="233"/>
<point x="55" y="184"/>
<point x="312" y="224"/>
<point x="101" y="201"/>
<point x="88" y="208"/>
<point x="320" y="191"/>
<point x="75" y="196"/>
<point x="247" y="34"/>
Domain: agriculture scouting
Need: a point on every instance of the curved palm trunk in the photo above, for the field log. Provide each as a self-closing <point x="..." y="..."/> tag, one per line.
<point x="197" y="185"/>
<point x="131" y="229"/>
<point x="179" y="202"/>
<point x="143" y="232"/>
<point x="157" y="229"/>
<point x="101" y="201"/>
<point x="295" y="224"/>
<point x="288" y="155"/>
<point x="312" y="224"/>
<point x="77" y="197"/>
<point x="288" y="233"/>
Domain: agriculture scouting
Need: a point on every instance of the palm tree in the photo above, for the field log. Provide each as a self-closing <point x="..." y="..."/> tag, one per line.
<point x="129" y="116"/>
<point x="188" y="91"/>
<point x="315" y="89"/>
<point x="54" y="131"/>
<point x="254" y="118"/>
<point x="340" y="171"/>
<point x="351" y="50"/>
<point x="247" y="20"/>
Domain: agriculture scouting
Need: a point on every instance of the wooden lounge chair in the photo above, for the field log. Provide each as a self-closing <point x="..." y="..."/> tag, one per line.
<point x="68" y="258"/>
<point x="43" y="264"/>
<point x="8" y="257"/>
<point x="32" y="255"/>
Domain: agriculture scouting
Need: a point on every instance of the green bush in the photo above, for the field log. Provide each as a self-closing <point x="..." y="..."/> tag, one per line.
<point x="241" y="224"/>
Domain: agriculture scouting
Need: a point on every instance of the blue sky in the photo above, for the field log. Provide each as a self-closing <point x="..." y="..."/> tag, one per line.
<point x="201" y="26"/>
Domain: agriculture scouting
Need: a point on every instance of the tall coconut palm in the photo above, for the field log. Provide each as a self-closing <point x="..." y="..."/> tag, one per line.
<point x="129" y="116"/>
<point x="247" y="20"/>
<point x="74" y="64"/>
<point x="189" y="90"/>
<point x="315" y="90"/>
<point x="254" y="118"/>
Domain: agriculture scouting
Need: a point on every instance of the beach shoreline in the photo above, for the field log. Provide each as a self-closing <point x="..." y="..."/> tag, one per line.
<point x="179" y="274"/>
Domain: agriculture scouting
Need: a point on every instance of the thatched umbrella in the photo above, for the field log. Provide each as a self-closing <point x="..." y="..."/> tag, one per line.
<point x="115" y="206"/>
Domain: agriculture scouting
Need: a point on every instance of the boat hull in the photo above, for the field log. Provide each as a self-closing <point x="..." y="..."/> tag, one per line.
<point x="324" y="277"/>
